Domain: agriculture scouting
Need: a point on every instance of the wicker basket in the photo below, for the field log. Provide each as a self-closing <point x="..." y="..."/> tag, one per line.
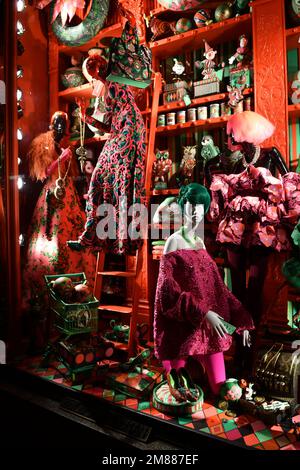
<point x="74" y="318"/>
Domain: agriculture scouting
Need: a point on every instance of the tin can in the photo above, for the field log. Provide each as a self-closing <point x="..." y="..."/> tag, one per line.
<point x="181" y="116"/>
<point x="225" y="109"/>
<point x="191" y="114"/>
<point x="161" y="120"/>
<point x="171" y="119"/>
<point x="202" y="112"/>
<point x="247" y="104"/>
<point x="214" y="110"/>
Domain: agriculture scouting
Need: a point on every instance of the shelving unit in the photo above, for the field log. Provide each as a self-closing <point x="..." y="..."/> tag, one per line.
<point x="294" y="110"/>
<point x="193" y="125"/>
<point x="292" y="37"/>
<point x="83" y="91"/>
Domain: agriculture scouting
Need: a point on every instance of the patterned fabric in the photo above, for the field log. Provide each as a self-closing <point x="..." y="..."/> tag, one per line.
<point x="255" y="208"/>
<point x="189" y="285"/>
<point x="119" y="173"/>
<point x="129" y="62"/>
<point x="47" y="249"/>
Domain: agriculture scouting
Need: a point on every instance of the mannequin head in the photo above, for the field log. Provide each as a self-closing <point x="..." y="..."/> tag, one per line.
<point x="194" y="201"/>
<point x="59" y="125"/>
<point x="249" y="127"/>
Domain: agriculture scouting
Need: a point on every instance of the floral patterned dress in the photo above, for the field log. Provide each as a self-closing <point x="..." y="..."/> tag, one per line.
<point x="48" y="252"/>
<point x="118" y="178"/>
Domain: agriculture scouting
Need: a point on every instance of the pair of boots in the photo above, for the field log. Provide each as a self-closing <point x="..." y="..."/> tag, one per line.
<point x="181" y="386"/>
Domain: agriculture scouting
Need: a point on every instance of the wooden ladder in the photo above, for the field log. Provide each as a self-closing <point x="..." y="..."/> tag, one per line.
<point x="135" y="275"/>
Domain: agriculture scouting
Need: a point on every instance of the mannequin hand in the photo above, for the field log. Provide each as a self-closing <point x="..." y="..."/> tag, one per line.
<point x="215" y="322"/>
<point x="231" y="59"/>
<point x="246" y="338"/>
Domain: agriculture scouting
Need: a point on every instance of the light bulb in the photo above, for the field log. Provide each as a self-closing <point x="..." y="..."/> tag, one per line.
<point x="20" y="71"/>
<point x="21" y="5"/>
<point x="20" y="182"/>
<point x="20" y="28"/>
<point x="19" y="161"/>
<point x="19" y="94"/>
<point x="19" y="134"/>
<point x="21" y="240"/>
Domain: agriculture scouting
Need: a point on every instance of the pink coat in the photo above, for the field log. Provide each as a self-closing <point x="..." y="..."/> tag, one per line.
<point x="189" y="285"/>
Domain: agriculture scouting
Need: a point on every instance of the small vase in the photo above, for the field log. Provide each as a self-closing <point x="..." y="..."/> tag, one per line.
<point x="73" y="77"/>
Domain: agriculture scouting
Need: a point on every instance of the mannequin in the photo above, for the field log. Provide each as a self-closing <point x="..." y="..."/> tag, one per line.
<point x="57" y="217"/>
<point x="192" y="300"/>
<point x="120" y="169"/>
<point x="246" y="131"/>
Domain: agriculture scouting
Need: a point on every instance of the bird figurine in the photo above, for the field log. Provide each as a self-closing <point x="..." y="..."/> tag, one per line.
<point x="209" y="149"/>
<point x="161" y="168"/>
<point x="187" y="165"/>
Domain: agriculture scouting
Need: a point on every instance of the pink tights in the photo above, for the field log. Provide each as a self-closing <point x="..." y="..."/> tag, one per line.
<point x="212" y="363"/>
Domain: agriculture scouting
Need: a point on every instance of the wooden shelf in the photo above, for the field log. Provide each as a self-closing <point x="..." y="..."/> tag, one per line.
<point x="292" y="38"/>
<point x="193" y="125"/>
<point x="220" y="32"/>
<point x="101" y="40"/>
<point x="164" y="192"/>
<point x="83" y="91"/>
<point x="198" y="101"/>
<point x="294" y="110"/>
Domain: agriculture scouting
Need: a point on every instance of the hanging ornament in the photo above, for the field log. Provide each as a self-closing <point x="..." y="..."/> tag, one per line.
<point x="202" y="18"/>
<point x="60" y="183"/>
<point x="224" y="12"/>
<point x="66" y="8"/>
<point x="180" y="5"/>
<point x="81" y="151"/>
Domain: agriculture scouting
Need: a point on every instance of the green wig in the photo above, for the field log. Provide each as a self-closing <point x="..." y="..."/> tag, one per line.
<point x="194" y="193"/>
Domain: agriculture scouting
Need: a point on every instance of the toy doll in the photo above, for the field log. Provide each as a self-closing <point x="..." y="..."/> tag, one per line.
<point x="57" y="215"/>
<point x="119" y="172"/>
<point x="192" y="301"/>
<point x="208" y="64"/>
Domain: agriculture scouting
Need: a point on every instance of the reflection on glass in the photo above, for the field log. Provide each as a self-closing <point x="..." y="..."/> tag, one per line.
<point x="21" y="240"/>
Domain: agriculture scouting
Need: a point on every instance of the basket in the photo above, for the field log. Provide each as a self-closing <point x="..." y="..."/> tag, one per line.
<point x="74" y="318"/>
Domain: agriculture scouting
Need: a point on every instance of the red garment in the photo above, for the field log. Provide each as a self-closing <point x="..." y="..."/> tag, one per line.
<point x="254" y="207"/>
<point x="189" y="285"/>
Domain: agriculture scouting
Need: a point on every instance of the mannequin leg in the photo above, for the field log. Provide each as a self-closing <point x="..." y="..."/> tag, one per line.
<point x="215" y="368"/>
<point x="237" y="259"/>
<point x="169" y="364"/>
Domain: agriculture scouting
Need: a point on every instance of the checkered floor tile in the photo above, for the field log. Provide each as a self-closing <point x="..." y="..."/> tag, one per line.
<point x="243" y="430"/>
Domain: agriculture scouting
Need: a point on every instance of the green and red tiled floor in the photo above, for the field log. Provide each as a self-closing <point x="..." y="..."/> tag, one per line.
<point x="243" y="430"/>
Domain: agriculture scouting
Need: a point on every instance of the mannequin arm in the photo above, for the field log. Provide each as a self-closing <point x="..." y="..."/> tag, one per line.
<point x="66" y="153"/>
<point x="166" y="202"/>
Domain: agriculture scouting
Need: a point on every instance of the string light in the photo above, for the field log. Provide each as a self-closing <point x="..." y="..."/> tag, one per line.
<point x="19" y="94"/>
<point x="20" y="71"/>
<point x="19" y="134"/>
<point x="21" y="5"/>
<point x="20" y="182"/>
<point x="20" y="28"/>
<point x="21" y="240"/>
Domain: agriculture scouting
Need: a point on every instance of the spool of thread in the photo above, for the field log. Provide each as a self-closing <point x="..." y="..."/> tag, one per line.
<point x="191" y="114"/>
<point x="181" y="116"/>
<point x="214" y="110"/>
<point x="161" y="120"/>
<point x="171" y="119"/>
<point x="202" y="112"/>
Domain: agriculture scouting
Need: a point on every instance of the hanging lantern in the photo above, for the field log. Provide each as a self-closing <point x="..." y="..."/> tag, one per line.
<point x="180" y="5"/>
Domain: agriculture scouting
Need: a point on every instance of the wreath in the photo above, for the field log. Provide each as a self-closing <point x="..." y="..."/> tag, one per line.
<point x="86" y="30"/>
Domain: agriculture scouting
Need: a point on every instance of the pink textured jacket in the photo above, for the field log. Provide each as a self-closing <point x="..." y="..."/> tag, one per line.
<point x="189" y="285"/>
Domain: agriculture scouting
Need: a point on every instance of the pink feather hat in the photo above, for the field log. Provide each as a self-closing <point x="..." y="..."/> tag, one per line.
<point x="250" y="127"/>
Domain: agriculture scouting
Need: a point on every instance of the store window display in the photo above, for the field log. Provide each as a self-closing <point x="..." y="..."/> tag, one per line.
<point x="57" y="216"/>
<point x="192" y="300"/>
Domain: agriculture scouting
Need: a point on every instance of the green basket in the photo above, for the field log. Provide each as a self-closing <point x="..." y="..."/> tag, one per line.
<point x="72" y="319"/>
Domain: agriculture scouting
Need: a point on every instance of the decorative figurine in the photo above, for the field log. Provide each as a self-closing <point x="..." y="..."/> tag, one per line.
<point x="161" y="169"/>
<point x="209" y="149"/>
<point x="187" y="165"/>
<point x="235" y="95"/>
<point x="295" y="89"/>
<point x="161" y="29"/>
<point x="211" y="76"/>
<point x="242" y="56"/>
<point x="178" y="68"/>
<point x="202" y="18"/>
